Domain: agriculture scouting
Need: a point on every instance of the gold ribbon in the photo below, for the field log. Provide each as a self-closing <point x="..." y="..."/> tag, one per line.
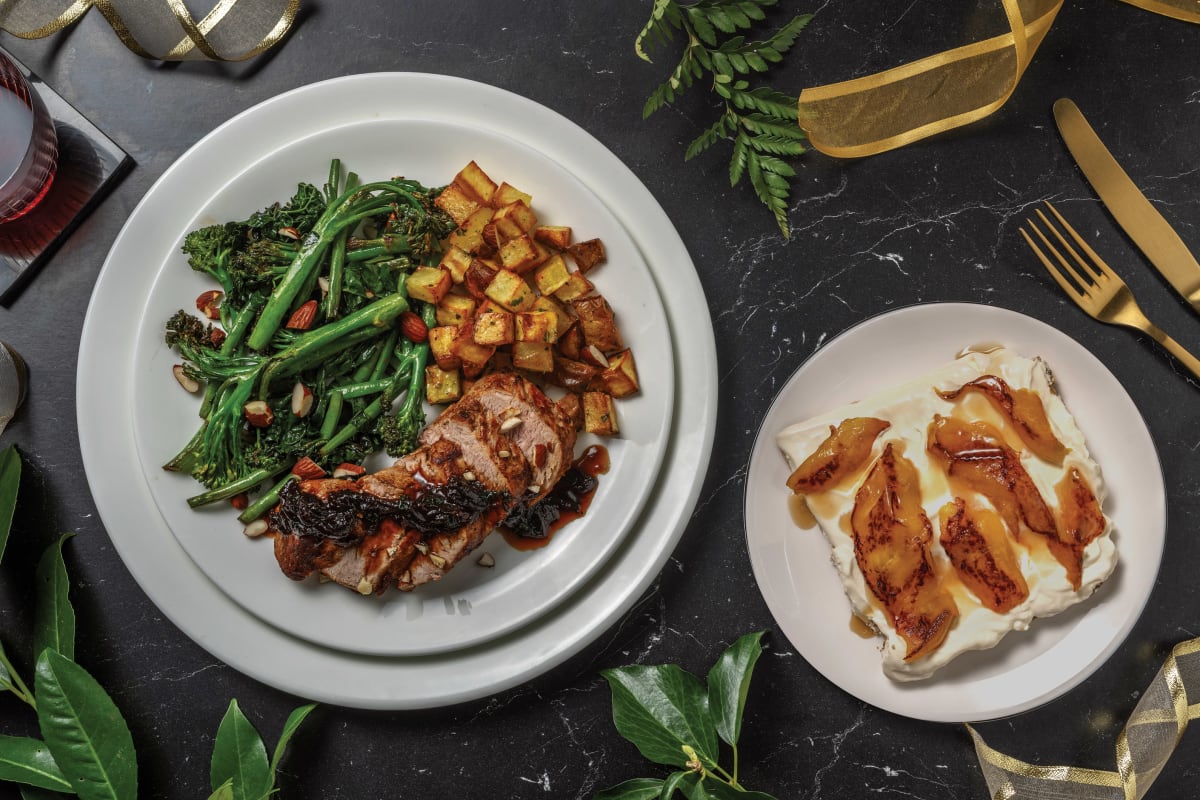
<point x="230" y="31"/>
<point x="890" y="109"/>
<point x="1142" y="750"/>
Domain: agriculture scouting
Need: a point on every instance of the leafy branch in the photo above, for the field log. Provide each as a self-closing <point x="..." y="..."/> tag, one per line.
<point x="760" y="121"/>
<point x="675" y="720"/>
<point x="86" y="748"/>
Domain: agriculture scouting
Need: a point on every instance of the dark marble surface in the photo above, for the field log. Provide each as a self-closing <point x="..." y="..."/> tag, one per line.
<point x="934" y="222"/>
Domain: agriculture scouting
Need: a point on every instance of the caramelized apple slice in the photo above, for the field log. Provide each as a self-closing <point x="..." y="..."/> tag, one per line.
<point x="891" y="545"/>
<point x="1025" y="411"/>
<point x="982" y="555"/>
<point x="843" y="453"/>
<point x="1082" y="521"/>
<point x="977" y="459"/>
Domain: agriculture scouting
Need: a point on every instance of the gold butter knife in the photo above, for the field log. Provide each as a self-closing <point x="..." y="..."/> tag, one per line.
<point x="1153" y="235"/>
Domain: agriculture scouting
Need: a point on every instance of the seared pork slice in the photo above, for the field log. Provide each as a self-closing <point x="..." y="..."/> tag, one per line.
<point x="531" y="427"/>
<point x="469" y="444"/>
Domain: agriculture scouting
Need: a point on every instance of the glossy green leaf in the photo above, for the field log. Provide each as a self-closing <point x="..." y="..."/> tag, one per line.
<point x="10" y="480"/>
<point x="636" y="789"/>
<point x="54" y="618"/>
<point x="239" y="756"/>
<point x="84" y="730"/>
<point x="34" y="793"/>
<point x="712" y="789"/>
<point x="28" y="761"/>
<point x="223" y="792"/>
<point x="662" y="709"/>
<point x="678" y="781"/>
<point x="294" y="721"/>
<point x="729" y="682"/>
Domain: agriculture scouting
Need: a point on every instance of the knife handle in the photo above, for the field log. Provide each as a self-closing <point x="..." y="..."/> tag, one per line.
<point x="1176" y="349"/>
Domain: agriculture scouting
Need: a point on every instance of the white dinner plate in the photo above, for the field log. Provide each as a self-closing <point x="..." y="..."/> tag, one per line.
<point x="1027" y="668"/>
<point x="471" y="604"/>
<point x="182" y="589"/>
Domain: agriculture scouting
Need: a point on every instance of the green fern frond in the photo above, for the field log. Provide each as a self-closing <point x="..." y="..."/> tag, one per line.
<point x="780" y="147"/>
<point x="663" y="17"/>
<point x="767" y="101"/>
<point x="714" y="133"/>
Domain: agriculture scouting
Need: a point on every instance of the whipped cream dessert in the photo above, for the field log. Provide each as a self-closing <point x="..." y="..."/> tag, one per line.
<point x="994" y="501"/>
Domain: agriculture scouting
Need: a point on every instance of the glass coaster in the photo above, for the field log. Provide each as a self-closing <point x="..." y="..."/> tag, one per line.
<point x="89" y="165"/>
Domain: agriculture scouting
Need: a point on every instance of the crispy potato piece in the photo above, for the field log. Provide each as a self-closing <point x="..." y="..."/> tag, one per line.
<point x="507" y="194"/>
<point x="474" y="356"/>
<point x="599" y="414"/>
<point x="557" y="237"/>
<point x="442" y="386"/>
<point x="441" y="341"/>
<point x="574" y="376"/>
<point x="552" y="275"/>
<point x="620" y="378"/>
<point x="564" y="320"/>
<point x="456" y="261"/>
<point x="570" y="342"/>
<point x="514" y="219"/>
<point x="598" y="322"/>
<point x="493" y="328"/>
<point x="537" y="326"/>
<point x="511" y="291"/>
<point x="522" y="253"/>
<point x="457" y="202"/>
<point x="469" y="233"/>
<point x="429" y="284"/>
<point x="474" y="180"/>
<point x="455" y="309"/>
<point x="533" y="356"/>
<point x="572" y="406"/>
<point x="587" y="254"/>
<point x="479" y="275"/>
<point x="575" y="288"/>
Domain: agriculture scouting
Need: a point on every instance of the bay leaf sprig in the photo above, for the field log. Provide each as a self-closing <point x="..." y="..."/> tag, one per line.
<point x="761" y="122"/>
<point x="86" y="747"/>
<point x="678" y="721"/>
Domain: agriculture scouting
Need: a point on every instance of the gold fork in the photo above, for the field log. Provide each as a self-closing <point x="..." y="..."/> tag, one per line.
<point x="1094" y="286"/>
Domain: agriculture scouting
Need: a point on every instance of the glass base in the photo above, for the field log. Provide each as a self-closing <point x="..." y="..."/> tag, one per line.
<point x="89" y="165"/>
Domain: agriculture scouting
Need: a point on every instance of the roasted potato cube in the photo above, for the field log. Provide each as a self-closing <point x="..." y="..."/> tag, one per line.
<point x="570" y="342"/>
<point x="599" y="414"/>
<point x="500" y="362"/>
<point x="478" y="276"/>
<point x="429" y="284"/>
<point x="572" y="406"/>
<point x="574" y="376"/>
<point x="476" y="182"/>
<point x="552" y="275"/>
<point x="522" y="254"/>
<point x="620" y="379"/>
<point x="493" y="328"/>
<point x="576" y="286"/>
<point x="513" y="220"/>
<point x="507" y="193"/>
<point x="533" y="356"/>
<point x="536" y="326"/>
<point x="469" y="233"/>
<point x="441" y="385"/>
<point x="556" y="236"/>
<point x="565" y="320"/>
<point x="441" y="342"/>
<point x="457" y="202"/>
<point x="491" y="240"/>
<point x="474" y="356"/>
<point x="456" y="261"/>
<point x="511" y="291"/>
<point x="598" y="323"/>
<point x="455" y="309"/>
<point x="587" y="254"/>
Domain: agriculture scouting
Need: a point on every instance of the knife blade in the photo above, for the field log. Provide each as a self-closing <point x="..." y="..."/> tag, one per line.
<point x="1141" y="221"/>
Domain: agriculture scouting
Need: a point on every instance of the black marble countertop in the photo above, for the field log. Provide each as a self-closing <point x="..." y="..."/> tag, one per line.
<point x="936" y="221"/>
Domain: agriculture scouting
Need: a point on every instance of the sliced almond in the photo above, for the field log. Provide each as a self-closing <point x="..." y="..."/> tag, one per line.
<point x="593" y="356"/>
<point x="510" y="424"/>
<point x="256" y="528"/>
<point x="486" y="560"/>
<point x="186" y="381"/>
<point x="302" y="400"/>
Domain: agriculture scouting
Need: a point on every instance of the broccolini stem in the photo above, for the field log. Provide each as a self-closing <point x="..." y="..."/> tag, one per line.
<point x="348" y="210"/>
<point x="245" y="484"/>
<point x="333" y="412"/>
<point x="268" y="500"/>
<point x="371" y="413"/>
<point x="337" y="264"/>
<point x="362" y="388"/>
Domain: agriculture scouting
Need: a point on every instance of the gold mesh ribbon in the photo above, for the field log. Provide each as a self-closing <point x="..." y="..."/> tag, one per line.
<point x="1143" y="746"/>
<point x="163" y="29"/>
<point x="869" y="115"/>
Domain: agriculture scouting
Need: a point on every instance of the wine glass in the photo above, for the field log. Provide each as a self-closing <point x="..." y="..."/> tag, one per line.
<point x="28" y="144"/>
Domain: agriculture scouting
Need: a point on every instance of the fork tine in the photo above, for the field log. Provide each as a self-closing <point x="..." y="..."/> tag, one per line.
<point x="1068" y="287"/>
<point x="1098" y="264"/>
<point x="1084" y="283"/>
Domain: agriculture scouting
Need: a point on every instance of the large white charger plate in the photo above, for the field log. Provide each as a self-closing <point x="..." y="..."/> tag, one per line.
<point x="182" y="590"/>
<point x="471" y="604"/>
<point x="1027" y="668"/>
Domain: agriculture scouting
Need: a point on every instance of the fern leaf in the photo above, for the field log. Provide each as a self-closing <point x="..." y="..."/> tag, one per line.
<point x="786" y="36"/>
<point x="703" y="29"/>
<point x="780" y="147"/>
<point x="761" y="123"/>
<point x="664" y="15"/>
<point x="767" y="187"/>
<point x="738" y="161"/>
<point x="714" y="133"/>
<point x="768" y="101"/>
<point x="774" y="165"/>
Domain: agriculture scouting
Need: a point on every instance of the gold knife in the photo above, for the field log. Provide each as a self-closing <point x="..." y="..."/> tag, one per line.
<point x="1129" y="207"/>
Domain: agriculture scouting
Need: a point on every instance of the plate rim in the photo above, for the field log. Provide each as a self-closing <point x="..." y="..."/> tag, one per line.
<point x="561" y="634"/>
<point x="894" y="699"/>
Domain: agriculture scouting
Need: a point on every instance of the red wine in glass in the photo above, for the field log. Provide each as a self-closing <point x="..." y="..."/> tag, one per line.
<point x="28" y="145"/>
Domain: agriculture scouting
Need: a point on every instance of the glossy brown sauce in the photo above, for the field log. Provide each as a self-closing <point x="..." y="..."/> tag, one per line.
<point x="802" y="515"/>
<point x="531" y="527"/>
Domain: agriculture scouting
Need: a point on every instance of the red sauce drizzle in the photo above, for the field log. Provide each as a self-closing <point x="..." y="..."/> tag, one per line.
<point x="568" y="500"/>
